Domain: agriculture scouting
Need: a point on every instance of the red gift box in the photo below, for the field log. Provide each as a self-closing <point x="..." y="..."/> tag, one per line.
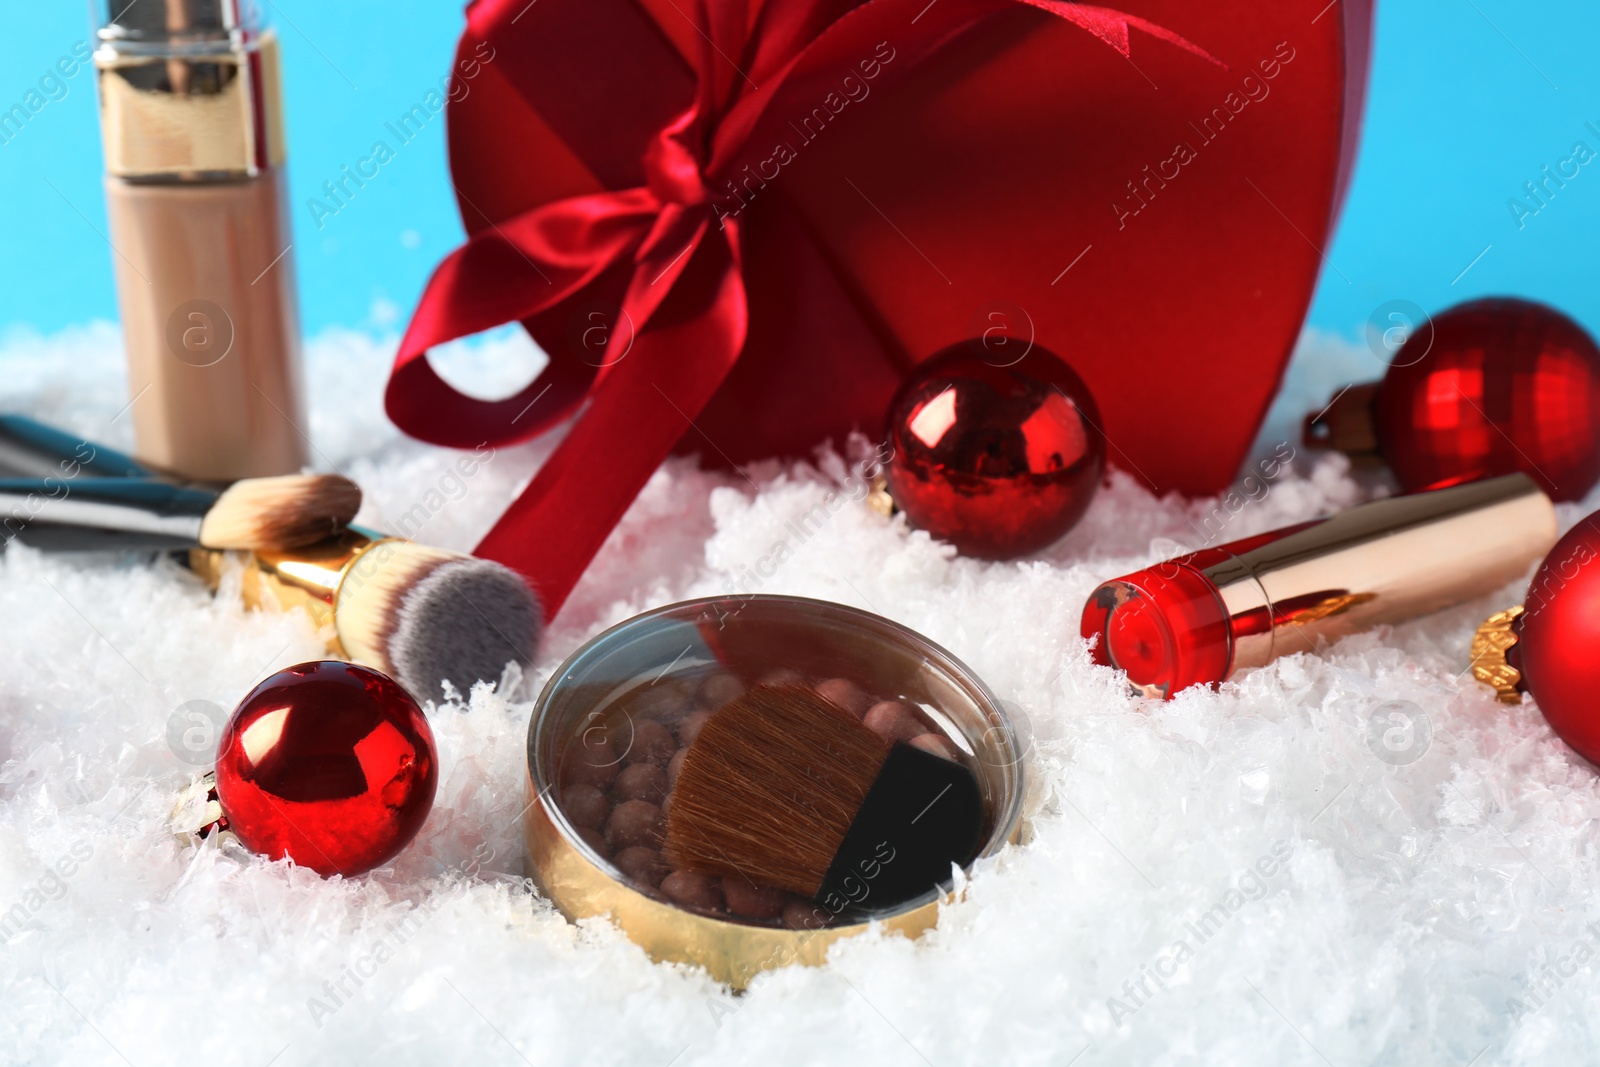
<point x="735" y="225"/>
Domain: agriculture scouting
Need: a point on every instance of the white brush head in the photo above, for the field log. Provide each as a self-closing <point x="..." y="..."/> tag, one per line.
<point x="427" y="615"/>
<point x="280" y="513"/>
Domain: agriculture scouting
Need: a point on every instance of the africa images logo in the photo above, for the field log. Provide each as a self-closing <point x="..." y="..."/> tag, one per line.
<point x="52" y="88"/>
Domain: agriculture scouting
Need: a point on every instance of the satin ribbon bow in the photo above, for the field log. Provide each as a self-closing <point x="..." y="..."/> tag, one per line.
<point x="659" y="250"/>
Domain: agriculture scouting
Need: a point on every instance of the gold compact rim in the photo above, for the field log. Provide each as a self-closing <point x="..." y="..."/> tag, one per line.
<point x="582" y="885"/>
<point x="1495" y="637"/>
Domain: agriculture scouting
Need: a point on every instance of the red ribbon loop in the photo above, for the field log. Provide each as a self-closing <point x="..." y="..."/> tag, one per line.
<point x="671" y="169"/>
<point x="658" y="259"/>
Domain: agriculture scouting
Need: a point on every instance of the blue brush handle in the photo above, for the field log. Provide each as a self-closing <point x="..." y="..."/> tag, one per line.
<point x="30" y="449"/>
<point x="61" y="514"/>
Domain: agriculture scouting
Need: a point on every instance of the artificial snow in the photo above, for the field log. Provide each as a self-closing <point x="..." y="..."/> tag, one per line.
<point x="1268" y="873"/>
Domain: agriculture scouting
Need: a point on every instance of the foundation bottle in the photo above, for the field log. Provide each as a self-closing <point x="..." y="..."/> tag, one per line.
<point x="192" y="118"/>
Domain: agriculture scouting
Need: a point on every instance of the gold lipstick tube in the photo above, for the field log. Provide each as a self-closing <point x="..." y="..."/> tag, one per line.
<point x="1197" y="619"/>
<point x="192" y="120"/>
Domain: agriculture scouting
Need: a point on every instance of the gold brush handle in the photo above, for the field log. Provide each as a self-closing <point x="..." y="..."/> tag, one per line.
<point x="306" y="578"/>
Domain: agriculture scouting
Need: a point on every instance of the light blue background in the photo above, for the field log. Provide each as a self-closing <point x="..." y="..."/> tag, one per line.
<point x="1469" y="98"/>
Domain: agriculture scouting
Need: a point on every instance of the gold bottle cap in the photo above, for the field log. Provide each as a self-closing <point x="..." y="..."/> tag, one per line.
<point x="879" y="500"/>
<point x="1348" y="424"/>
<point x="203" y="103"/>
<point x="1489" y="646"/>
<point x="197" y="814"/>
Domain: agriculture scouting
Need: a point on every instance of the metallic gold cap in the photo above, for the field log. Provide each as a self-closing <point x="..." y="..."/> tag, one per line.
<point x="1494" y="637"/>
<point x="191" y="114"/>
<point x="1348" y="424"/>
<point x="879" y="499"/>
<point x="197" y="813"/>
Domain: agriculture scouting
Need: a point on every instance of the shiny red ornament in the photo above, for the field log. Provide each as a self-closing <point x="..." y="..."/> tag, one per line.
<point x="1495" y="386"/>
<point x="330" y="764"/>
<point x="1557" y="635"/>
<point x="999" y="460"/>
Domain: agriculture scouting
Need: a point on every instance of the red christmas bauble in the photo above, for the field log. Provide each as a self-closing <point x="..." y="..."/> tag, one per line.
<point x="1495" y="386"/>
<point x="998" y="460"/>
<point x="330" y="764"/>
<point x="1557" y="634"/>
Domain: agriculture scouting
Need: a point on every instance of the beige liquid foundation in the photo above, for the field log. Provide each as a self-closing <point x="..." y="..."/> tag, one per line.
<point x="192" y="117"/>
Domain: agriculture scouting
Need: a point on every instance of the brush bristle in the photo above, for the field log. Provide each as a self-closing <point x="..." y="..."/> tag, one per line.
<point x="770" y="787"/>
<point x="428" y="615"/>
<point x="280" y="513"/>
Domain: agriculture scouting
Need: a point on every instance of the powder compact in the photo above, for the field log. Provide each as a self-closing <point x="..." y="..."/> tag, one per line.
<point x="612" y="727"/>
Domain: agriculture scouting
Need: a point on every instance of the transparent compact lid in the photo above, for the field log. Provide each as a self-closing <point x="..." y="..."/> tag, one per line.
<point x="612" y="726"/>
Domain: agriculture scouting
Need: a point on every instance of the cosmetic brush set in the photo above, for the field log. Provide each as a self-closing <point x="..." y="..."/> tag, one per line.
<point x="425" y="615"/>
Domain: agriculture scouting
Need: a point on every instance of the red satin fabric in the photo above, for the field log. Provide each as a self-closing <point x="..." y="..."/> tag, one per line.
<point x="683" y="294"/>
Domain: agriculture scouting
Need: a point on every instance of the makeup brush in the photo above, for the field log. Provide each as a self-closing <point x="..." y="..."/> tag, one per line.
<point x="92" y="514"/>
<point x="279" y="512"/>
<point x="32" y="449"/>
<point x="786" y="789"/>
<point x="420" y="614"/>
